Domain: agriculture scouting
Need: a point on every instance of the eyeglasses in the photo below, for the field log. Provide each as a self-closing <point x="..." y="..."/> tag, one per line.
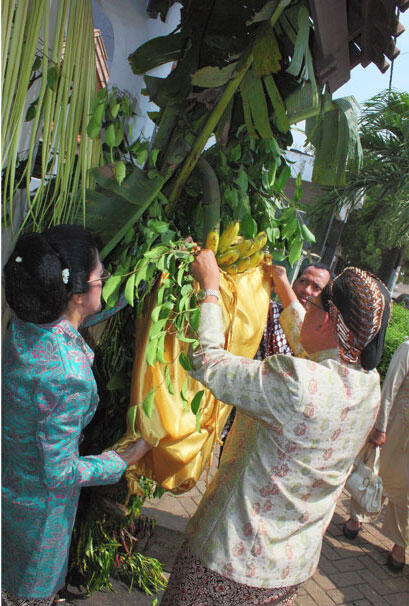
<point x="103" y="277"/>
<point x="311" y="302"/>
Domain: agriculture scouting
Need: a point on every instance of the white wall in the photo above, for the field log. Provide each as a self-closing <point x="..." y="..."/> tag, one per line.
<point x="132" y="27"/>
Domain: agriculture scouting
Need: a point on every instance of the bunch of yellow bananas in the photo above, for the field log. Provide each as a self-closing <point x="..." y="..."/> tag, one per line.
<point x="235" y="254"/>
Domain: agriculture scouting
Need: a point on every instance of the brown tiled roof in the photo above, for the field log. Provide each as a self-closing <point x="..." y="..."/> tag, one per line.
<point x="352" y="32"/>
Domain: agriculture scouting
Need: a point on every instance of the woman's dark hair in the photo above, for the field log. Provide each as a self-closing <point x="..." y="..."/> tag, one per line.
<point x="37" y="284"/>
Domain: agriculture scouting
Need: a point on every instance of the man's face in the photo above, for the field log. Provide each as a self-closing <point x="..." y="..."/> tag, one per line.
<point x="310" y="283"/>
<point x="317" y="331"/>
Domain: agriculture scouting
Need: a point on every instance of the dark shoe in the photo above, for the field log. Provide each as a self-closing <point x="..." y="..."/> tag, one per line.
<point x="348" y="533"/>
<point x="393" y="564"/>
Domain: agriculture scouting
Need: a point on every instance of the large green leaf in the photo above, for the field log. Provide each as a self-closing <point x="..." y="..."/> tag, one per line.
<point x="264" y="13"/>
<point x="254" y="92"/>
<point x="245" y="97"/>
<point x="156" y="52"/>
<point x="213" y="76"/>
<point x="138" y="188"/>
<point x="104" y="176"/>
<point x="350" y="111"/>
<point x="301" y="42"/>
<point x="172" y="89"/>
<point x="266" y="52"/>
<point x="112" y="213"/>
<point x="106" y="213"/>
<point x="302" y="103"/>
<point x="323" y="134"/>
<point x="280" y="113"/>
<point x="336" y="141"/>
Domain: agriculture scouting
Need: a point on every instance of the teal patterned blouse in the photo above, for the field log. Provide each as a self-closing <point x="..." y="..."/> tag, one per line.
<point x="49" y="396"/>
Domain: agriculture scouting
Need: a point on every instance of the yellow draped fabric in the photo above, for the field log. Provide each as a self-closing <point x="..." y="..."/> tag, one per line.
<point x="180" y="452"/>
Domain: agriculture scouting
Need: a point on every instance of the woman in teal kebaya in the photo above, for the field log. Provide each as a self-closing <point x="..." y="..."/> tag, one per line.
<point x="53" y="282"/>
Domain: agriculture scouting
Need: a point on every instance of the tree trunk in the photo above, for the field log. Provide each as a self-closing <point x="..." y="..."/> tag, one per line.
<point x="390" y="260"/>
<point x="332" y="240"/>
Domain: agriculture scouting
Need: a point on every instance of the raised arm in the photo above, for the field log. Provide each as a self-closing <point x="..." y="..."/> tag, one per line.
<point x="281" y="284"/>
<point x="259" y="389"/>
<point x="292" y="317"/>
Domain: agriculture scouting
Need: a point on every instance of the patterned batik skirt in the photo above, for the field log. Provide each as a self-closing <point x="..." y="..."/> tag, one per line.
<point x="8" y="599"/>
<point x="192" y="584"/>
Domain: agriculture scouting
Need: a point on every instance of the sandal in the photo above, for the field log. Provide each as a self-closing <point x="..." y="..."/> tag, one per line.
<point x="393" y="564"/>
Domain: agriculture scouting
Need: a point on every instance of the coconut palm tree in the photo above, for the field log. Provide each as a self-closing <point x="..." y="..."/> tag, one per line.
<point x="376" y="235"/>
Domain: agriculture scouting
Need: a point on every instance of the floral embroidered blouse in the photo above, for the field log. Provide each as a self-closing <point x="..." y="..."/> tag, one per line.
<point x="49" y="396"/>
<point x="299" y="425"/>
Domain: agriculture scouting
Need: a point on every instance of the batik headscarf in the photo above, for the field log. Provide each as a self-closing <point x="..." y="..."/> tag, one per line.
<point x="359" y="305"/>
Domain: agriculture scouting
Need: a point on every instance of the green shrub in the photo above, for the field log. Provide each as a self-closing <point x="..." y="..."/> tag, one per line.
<point x="397" y="332"/>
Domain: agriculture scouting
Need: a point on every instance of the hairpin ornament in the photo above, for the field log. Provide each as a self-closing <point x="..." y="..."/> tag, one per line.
<point x="18" y="259"/>
<point x="65" y="275"/>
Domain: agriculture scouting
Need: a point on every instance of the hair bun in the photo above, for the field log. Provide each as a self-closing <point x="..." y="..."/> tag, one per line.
<point x="33" y="280"/>
<point x="46" y="269"/>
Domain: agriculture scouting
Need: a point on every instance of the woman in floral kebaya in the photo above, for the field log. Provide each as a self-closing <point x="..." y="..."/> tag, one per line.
<point x="53" y="281"/>
<point x="300" y="422"/>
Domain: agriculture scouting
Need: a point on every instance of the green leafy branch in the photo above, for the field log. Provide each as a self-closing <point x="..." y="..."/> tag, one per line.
<point x="110" y="121"/>
<point x="163" y="265"/>
<point x="108" y="545"/>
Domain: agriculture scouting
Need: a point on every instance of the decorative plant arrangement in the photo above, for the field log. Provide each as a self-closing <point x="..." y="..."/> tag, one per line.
<point x="215" y="170"/>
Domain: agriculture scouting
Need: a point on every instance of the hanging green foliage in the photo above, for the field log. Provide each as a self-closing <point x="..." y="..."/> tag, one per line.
<point x="63" y="81"/>
<point x="336" y="141"/>
<point x="106" y="542"/>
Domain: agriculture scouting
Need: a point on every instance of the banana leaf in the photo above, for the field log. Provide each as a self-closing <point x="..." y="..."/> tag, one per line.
<point x="302" y="104"/>
<point x="350" y="110"/>
<point x="137" y="187"/>
<point x="212" y="76"/>
<point x="104" y="176"/>
<point x="106" y="213"/>
<point x="280" y="113"/>
<point x="301" y="42"/>
<point x="158" y="51"/>
<point x="255" y="96"/>
<point x="266" y="52"/>
<point x="336" y="141"/>
<point x="324" y="136"/>
<point x="264" y="13"/>
<point x="245" y="97"/>
<point x="170" y="90"/>
<point x="111" y="213"/>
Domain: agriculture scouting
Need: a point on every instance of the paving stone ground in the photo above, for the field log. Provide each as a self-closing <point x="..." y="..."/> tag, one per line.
<point x="350" y="573"/>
